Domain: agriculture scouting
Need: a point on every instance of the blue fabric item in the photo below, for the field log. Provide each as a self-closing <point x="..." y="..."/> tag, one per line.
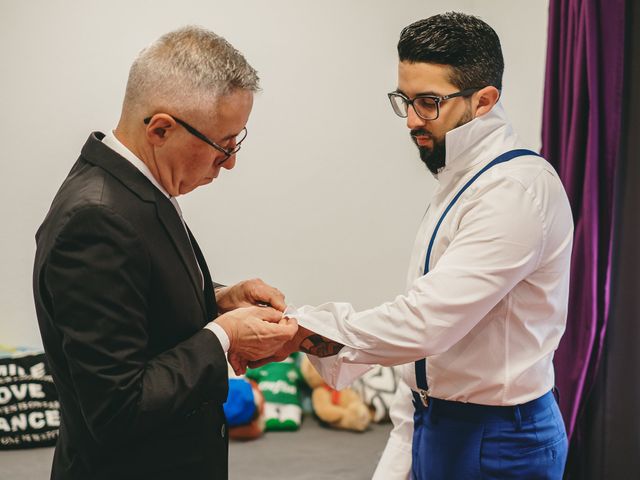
<point x="240" y="406"/>
<point x="455" y="440"/>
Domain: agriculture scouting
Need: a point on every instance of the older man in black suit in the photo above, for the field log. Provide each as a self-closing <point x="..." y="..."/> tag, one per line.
<point x="134" y="328"/>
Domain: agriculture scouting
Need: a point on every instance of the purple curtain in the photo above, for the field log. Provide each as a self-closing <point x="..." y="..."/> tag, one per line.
<point x="581" y="137"/>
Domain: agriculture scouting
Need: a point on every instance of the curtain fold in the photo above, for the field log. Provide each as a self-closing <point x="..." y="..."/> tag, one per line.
<point x="581" y="137"/>
<point x="612" y="426"/>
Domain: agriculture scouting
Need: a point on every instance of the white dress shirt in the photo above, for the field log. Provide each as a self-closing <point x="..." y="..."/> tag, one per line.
<point x="490" y="313"/>
<point x="114" y="144"/>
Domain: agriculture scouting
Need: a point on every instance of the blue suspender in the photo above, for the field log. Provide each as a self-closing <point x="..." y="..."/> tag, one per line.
<point x="421" y="365"/>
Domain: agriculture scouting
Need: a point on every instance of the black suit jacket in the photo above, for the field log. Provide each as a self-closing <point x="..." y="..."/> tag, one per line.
<point x="121" y="311"/>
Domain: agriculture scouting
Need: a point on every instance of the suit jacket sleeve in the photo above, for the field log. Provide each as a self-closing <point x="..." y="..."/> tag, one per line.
<point x="97" y="276"/>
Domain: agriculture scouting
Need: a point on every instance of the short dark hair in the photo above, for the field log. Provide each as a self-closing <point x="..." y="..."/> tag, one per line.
<point x="464" y="42"/>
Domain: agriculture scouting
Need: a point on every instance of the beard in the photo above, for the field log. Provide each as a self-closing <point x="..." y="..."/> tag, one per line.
<point x="435" y="157"/>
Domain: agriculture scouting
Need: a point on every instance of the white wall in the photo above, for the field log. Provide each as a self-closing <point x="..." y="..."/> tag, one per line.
<point x="328" y="189"/>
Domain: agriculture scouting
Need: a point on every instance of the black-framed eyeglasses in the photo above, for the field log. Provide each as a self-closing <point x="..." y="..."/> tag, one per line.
<point x="228" y="152"/>
<point x="427" y="107"/>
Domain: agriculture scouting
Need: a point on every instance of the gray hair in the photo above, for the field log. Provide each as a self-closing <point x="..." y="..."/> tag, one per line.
<point x="187" y="69"/>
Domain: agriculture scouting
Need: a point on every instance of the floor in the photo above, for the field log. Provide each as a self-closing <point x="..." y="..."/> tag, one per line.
<point x="312" y="453"/>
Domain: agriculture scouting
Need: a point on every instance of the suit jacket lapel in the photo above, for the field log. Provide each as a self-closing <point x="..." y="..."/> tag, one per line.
<point x="209" y="297"/>
<point x="174" y="227"/>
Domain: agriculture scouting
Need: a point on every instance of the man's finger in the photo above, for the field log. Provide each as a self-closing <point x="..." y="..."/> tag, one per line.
<point x="261" y="292"/>
<point x="276" y="299"/>
<point x="264" y="361"/>
<point x="290" y="325"/>
<point x="239" y="366"/>
<point x="267" y="314"/>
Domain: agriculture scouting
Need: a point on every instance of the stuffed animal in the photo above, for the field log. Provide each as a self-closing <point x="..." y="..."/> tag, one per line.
<point x="377" y="388"/>
<point x="244" y="408"/>
<point x="278" y="382"/>
<point x="342" y="409"/>
<point x="256" y="425"/>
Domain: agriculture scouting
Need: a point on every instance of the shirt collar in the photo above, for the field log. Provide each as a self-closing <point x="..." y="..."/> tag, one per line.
<point x="114" y="144"/>
<point x="476" y="141"/>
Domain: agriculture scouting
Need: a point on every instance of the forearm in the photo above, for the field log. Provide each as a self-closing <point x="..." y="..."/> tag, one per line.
<point x="182" y="378"/>
<point x="410" y="327"/>
<point x="439" y="310"/>
<point x="317" y="345"/>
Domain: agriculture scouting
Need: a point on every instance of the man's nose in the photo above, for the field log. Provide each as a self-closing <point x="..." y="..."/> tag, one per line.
<point x="230" y="162"/>
<point x="413" y="120"/>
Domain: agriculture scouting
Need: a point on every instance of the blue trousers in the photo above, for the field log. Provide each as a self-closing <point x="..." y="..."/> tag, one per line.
<point x="459" y="441"/>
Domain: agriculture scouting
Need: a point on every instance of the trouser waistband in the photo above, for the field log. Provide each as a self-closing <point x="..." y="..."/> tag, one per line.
<point x="473" y="412"/>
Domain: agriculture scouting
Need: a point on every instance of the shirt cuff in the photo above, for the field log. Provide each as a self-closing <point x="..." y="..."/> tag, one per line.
<point x="219" y="332"/>
<point x="335" y="372"/>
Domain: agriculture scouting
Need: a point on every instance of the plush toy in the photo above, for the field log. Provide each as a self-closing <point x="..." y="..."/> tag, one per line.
<point x="256" y="425"/>
<point x="377" y="388"/>
<point x="244" y="408"/>
<point x="342" y="409"/>
<point x="278" y="382"/>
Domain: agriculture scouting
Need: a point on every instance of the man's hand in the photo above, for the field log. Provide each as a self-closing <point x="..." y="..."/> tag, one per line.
<point x="249" y="293"/>
<point x="304" y="340"/>
<point x="287" y="349"/>
<point x="256" y="332"/>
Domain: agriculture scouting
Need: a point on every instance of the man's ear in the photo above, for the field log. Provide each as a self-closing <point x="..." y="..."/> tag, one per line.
<point x="159" y="128"/>
<point x="487" y="97"/>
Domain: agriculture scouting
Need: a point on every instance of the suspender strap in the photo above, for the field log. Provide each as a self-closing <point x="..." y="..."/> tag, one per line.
<point x="420" y="365"/>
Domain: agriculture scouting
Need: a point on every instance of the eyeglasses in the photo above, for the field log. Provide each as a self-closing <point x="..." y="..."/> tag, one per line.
<point x="228" y="152"/>
<point x="427" y="107"/>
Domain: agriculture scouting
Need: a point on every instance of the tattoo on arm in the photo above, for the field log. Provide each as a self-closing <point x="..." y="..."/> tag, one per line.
<point x="319" y="346"/>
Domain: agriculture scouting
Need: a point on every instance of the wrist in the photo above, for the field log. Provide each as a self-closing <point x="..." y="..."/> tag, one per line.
<point x="301" y="334"/>
<point x="220" y="294"/>
<point x="228" y="325"/>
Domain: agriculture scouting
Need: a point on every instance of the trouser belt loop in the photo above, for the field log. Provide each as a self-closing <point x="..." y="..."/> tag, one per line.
<point x="518" y="417"/>
<point x="556" y="394"/>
